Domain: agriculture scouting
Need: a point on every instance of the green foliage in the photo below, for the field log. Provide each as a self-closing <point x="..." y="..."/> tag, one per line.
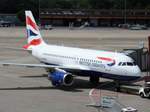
<point x="21" y="16"/>
<point x="18" y="6"/>
<point x="13" y="6"/>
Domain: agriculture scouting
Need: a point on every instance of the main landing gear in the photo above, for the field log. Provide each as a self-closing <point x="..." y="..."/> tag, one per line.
<point x="117" y="86"/>
<point x="94" y="80"/>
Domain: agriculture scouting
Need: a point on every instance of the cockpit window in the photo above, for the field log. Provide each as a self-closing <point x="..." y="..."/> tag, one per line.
<point x="124" y="64"/>
<point x="120" y="64"/>
<point x="127" y="64"/>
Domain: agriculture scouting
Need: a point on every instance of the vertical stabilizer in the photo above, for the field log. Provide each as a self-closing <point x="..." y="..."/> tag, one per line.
<point x="33" y="34"/>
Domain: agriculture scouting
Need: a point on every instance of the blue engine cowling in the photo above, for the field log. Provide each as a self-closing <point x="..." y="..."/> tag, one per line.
<point x="59" y="78"/>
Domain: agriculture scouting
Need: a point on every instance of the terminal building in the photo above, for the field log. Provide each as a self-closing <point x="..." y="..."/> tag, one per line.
<point x="99" y="17"/>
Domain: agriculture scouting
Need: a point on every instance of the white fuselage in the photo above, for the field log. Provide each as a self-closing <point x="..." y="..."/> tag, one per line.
<point x="106" y="64"/>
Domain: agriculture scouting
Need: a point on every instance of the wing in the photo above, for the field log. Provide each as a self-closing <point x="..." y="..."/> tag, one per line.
<point x="70" y="67"/>
<point x="14" y="48"/>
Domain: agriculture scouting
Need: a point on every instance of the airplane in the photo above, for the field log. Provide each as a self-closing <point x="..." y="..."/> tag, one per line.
<point x="64" y="63"/>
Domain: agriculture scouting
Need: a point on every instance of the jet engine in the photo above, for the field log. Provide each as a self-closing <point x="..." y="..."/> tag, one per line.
<point x="60" y="77"/>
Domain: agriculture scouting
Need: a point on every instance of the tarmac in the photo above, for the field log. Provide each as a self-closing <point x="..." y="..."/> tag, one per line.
<point x="28" y="90"/>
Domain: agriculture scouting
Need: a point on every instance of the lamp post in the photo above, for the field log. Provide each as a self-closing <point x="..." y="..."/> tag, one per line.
<point x="39" y="14"/>
<point x="125" y="10"/>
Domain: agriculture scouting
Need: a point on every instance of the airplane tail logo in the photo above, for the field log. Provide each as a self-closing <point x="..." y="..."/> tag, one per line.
<point x="33" y="33"/>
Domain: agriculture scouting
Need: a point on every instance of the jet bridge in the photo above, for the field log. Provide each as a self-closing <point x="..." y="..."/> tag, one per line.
<point x="141" y="57"/>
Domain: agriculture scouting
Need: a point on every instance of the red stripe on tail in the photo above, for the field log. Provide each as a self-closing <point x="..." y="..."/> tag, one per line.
<point x="31" y="23"/>
<point x="34" y="42"/>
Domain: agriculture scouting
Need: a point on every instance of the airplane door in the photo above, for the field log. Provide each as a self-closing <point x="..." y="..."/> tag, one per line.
<point x="107" y="68"/>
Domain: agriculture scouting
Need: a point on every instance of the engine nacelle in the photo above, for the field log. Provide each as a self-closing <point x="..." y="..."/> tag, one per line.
<point x="59" y="77"/>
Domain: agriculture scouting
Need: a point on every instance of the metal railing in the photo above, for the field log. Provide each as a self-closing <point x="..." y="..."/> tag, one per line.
<point x="96" y="13"/>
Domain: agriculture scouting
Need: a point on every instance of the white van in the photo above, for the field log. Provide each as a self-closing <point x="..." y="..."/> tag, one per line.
<point x="144" y="91"/>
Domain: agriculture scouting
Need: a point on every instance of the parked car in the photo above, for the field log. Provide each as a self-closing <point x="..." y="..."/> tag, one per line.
<point x="47" y="27"/>
<point x="138" y="27"/>
<point x="6" y="23"/>
<point x="125" y="26"/>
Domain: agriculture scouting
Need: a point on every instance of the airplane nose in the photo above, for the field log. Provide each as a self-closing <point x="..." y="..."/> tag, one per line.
<point x="137" y="71"/>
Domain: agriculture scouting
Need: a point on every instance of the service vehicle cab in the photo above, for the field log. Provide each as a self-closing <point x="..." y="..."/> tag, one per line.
<point x="144" y="91"/>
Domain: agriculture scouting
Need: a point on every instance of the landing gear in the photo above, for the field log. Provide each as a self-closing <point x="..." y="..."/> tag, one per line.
<point x="117" y="85"/>
<point x="94" y="80"/>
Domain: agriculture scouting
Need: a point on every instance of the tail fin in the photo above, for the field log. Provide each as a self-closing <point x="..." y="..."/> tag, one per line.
<point x="33" y="33"/>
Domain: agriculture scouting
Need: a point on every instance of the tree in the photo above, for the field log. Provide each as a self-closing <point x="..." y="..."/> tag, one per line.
<point x="18" y="6"/>
<point x="22" y="5"/>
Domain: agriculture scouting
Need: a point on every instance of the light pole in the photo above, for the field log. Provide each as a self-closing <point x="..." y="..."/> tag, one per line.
<point x="125" y="10"/>
<point x="39" y="14"/>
